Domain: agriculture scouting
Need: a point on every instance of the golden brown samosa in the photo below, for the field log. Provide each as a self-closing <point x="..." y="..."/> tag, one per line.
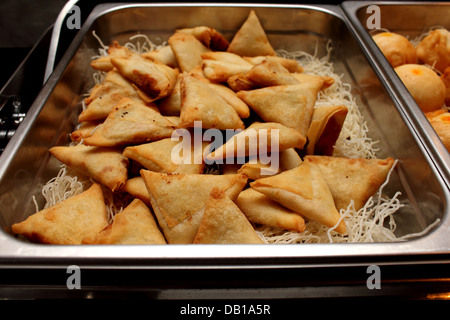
<point x="136" y="187"/>
<point x="259" y="138"/>
<point x="155" y="80"/>
<point x="251" y="39"/>
<point x="209" y="37"/>
<point x="260" y="209"/>
<point x="199" y="102"/>
<point x="325" y="128"/>
<point x="290" y="105"/>
<point x="218" y="66"/>
<point x="178" y="200"/>
<point x="188" y="50"/>
<point x="67" y="222"/>
<point x="134" y="225"/>
<point x="160" y="156"/>
<point x="115" y="50"/>
<point x="130" y="123"/>
<point x="106" y="95"/>
<point x="105" y="165"/>
<point x="291" y="65"/>
<point x="85" y="129"/>
<point x="305" y="191"/>
<point x="162" y="55"/>
<point x="224" y="223"/>
<point x="352" y="179"/>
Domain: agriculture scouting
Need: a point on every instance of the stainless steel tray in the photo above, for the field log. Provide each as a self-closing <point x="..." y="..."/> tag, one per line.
<point x="410" y="19"/>
<point x="26" y="165"/>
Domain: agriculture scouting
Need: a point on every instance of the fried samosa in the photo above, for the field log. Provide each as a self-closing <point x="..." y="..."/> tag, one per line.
<point x="209" y="37"/>
<point x="105" y="165"/>
<point x="85" y="129"/>
<point x="135" y="225"/>
<point x="136" y="187"/>
<point x="188" y="50"/>
<point x="178" y="200"/>
<point x="114" y="51"/>
<point x="259" y="138"/>
<point x="352" y="179"/>
<point x="130" y="123"/>
<point x="218" y="66"/>
<point x="251" y="39"/>
<point x="199" y="102"/>
<point x="155" y="80"/>
<point x="67" y="222"/>
<point x="305" y="191"/>
<point x="260" y="209"/>
<point x="159" y="156"/>
<point x="224" y="223"/>
<point x="162" y="55"/>
<point x="290" y="105"/>
<point x="106" y="95"/>
<point x="325" y="128"/>
<point x="291" y="65"/>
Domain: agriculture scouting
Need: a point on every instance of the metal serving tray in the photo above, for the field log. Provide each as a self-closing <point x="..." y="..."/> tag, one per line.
<point x="410" y="19"/>
<point x="26" y="165"/>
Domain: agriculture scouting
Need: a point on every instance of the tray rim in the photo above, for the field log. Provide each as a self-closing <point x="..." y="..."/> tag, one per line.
<point x="18" y="253"/>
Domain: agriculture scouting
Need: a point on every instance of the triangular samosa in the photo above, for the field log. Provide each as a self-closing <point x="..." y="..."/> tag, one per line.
<point x="85" y="129"/>
<point x="209" y="37"/>
<point x="218" y="66"/>
<point x="255" y="169"/>
<point x="260" y="209"/>
<point x="136" y="187"/>
<point x="159" y="156"/>
<point x="251" y="39"/>
<point x="324" y="130"/>
<point x="291" y="65"/>
<point x="178" y="200"/>
<point x="305" y="191"/>
<point x="130" y="123"/>
<point x="133" y="225"/>
<point x="115" y="50"/>
<point x="188" y="50"/>
<point x="105" y="165"/>
<point x="352" y="179"/>
<point x="106" y="95"/>
<point x="69" y="221"/>
<point x="290" y="105"/>
<point x="199" y="102"/>
<point x="156" y="80"/>
<point x="259" y="138"/>
<point x="162" y="55"/>
<point x="224" y="223"/>
<point x="270" y="72"/>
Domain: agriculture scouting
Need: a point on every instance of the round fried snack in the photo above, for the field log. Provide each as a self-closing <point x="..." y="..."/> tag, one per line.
<point x="396" y="48"/>
<point x="424" y="84"/>
<point x="434" y="49"/>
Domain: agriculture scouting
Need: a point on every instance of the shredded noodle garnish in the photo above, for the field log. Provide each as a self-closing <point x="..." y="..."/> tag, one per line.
<point x="372" y="223"/>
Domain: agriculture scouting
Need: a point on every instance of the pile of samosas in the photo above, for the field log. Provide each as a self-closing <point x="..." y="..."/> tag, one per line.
<point x="200" y="81"/>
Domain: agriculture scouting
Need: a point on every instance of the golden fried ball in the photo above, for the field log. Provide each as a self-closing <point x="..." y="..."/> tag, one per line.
<point x="425" y="86"/>
<point x="434" y="49"/>
<point x="440" y="120"/>
<point x="396" y="48"/>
